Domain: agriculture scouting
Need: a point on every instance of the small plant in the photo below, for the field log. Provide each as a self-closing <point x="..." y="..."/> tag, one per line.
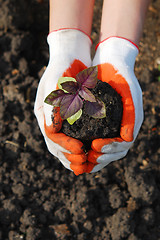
<point x="74" y="94"/>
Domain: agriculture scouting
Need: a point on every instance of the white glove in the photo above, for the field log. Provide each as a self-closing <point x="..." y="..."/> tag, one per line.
<point x="115" y="58"/>
<point x="69" y="53"/>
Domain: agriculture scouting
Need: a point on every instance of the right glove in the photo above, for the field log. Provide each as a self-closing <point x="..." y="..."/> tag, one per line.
<point x="115" y="58"/>
<point x="69" y="54"/>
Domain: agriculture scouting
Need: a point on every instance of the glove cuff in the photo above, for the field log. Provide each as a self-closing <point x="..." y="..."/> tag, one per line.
<point x="116" y="50"/>
<point x="117" y="37"/>
<point x="77" y="29"/>
<point x="72" y="43"/>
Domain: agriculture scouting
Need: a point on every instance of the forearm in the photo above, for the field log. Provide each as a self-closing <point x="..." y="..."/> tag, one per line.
<point x="71" y="14"/>
<point x="123" y="18"/>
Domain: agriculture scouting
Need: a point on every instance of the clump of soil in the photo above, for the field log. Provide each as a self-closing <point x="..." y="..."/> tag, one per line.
<point x="89" y="128"/>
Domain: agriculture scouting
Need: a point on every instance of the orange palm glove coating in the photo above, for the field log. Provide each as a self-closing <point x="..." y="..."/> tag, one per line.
<point x="107" y="73"/>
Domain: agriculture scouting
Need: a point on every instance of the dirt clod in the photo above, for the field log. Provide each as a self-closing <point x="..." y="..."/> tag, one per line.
<point x="89" y="128"/>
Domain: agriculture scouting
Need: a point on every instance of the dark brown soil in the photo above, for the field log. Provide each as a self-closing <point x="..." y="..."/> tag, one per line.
<point x="88" y="128"/>
<point x="39" y="198"/>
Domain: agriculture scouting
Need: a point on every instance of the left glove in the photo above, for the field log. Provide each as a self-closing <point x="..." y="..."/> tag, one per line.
<point x="69" y="54"/>
<point x="115" y="58"/>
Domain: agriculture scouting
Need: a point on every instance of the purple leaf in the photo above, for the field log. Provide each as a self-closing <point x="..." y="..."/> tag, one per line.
<point x="88" y="77"/>
<point x="70" y="86"/>
<point x="87" y="95"/>
<point x="65" y="79"/>
<point x="95" y="109"/>
<point x="55" y="98"/>
<point x="70" y="104"/>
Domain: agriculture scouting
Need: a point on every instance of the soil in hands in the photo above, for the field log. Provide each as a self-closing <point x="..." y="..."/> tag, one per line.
<point x="87" y="128"/>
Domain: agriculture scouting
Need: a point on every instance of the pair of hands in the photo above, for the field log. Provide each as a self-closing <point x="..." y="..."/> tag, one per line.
<point x="115" y="58"/>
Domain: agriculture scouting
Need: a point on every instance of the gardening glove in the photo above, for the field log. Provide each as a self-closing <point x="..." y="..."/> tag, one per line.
<point x="69" y="54"/>
<point x="115" y="58"/>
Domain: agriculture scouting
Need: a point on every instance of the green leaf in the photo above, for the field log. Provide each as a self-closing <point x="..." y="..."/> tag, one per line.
<point x="74" y="117"/>
<point x="63" y="80"/>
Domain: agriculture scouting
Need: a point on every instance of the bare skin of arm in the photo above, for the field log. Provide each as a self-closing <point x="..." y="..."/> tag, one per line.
<point x="123" y="18"/>
<point x="71" y="14"/>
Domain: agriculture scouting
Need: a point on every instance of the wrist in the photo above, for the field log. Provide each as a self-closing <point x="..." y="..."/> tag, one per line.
<point x="123" y="18"/>
<point x="71" y="14"/>
<point x="132" y="36"/>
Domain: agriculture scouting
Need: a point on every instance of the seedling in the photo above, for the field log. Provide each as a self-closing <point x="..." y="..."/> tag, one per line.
<point x="74" y="94"/>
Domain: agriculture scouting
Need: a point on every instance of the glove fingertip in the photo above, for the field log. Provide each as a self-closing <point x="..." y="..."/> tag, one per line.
<point x="126" y="133"/>
<point x="92" y="156"/>
<point x="57" y="120"/>
<point x="78" y="169"/>
<point x="90" y="167"/>
<point x="76" y="158"/>
<point x="97" y="144"/>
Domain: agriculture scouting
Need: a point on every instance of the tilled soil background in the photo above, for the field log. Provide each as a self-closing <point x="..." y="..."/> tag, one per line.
<point x="39" y="198"/>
